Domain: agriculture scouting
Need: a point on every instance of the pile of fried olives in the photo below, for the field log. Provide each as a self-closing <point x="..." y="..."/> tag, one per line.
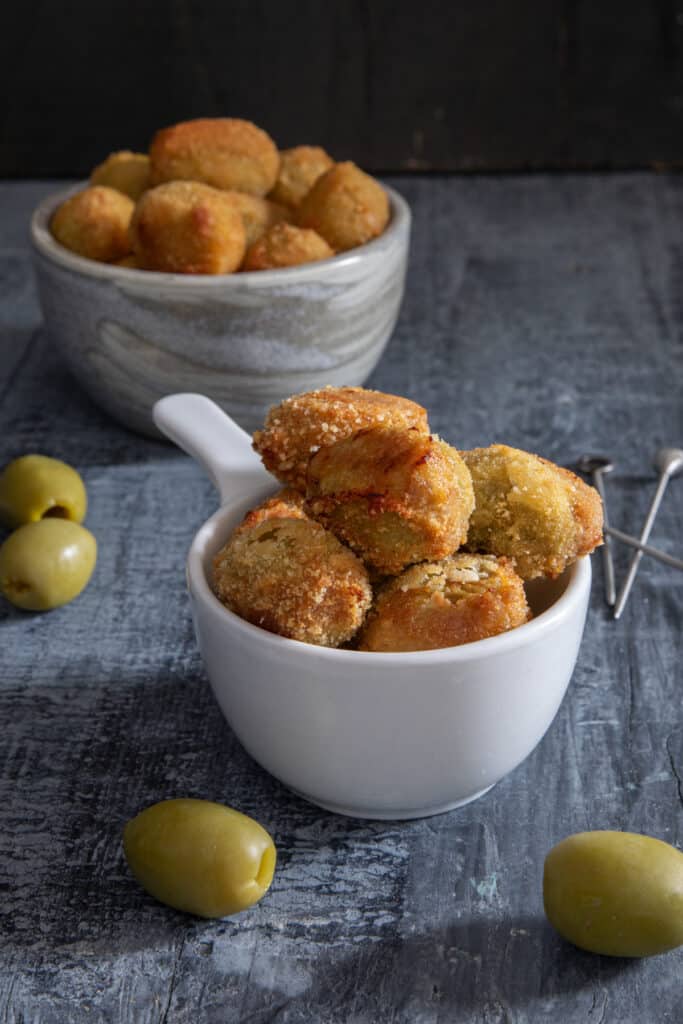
<point x="215" y="196"/>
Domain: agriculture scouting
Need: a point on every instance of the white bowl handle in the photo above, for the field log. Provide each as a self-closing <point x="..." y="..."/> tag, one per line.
<point x="209" y="435"/>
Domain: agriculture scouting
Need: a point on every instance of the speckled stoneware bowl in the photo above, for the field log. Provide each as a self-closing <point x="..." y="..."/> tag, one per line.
<point x="246" y="340"/>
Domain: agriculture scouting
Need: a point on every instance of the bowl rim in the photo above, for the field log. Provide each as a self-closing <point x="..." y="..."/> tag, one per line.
<point x="576" y="589"/>
<point x="319" y="270"/>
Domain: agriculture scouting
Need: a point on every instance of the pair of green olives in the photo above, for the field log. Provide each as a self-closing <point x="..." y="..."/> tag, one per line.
<point x="615" y="893"/>
<point x="49" y="558"/>
<point x="199" y="856"/>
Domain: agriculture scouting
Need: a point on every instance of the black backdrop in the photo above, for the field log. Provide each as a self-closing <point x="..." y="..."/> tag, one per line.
<point x="398" y="86"/>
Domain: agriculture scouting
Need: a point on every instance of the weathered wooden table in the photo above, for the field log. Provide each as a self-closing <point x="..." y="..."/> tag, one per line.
<point x="543" y="311"/>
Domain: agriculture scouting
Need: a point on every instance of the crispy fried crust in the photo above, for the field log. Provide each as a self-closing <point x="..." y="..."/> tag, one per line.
<point x="184" y="227"/>
<point x="94" y="223"/>
<point x="292" y="577"/>
<point x="394" y="495"/>
<point x="225" y="152"/>
<point x="346" y="206"/>
<point x="300" y="168"/>
<point x="258" y="215"/>
<point x="302" y="424"/>
<point x="444" y="604"/>
<point x="538" y="514"/>
<point x="286" y="504"/>
<point x="286" y="246"/>
<point x="125" y="171"/>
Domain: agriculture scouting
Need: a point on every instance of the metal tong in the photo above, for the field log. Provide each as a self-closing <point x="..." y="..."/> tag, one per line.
<point x="669" y="463"/>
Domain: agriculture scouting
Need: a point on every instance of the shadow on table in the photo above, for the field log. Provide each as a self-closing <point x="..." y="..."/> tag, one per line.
<point x="78" y="762"/>
<point x="477" y="969"/>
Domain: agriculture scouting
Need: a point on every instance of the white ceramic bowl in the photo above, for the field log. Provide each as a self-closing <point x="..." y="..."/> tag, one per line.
<point x="246" y="340"/>
<point x="369" y="735"/>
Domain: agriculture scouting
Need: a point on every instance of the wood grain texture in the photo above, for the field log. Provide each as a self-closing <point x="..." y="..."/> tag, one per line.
<point x="543" y="311"/>
<point x="441" y="85"/>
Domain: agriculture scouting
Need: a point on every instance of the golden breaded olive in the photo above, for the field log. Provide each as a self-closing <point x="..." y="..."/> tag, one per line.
<point x="199" y="856"/>
<point x="300" y="168"/>
<point x="46" y="564"/>
<point x="345" y="206"/>
<point x="184" y="227"/>
<point x="34" y="487"/>
<point x="615" y="893"/>
<point x="125" y="171"/>
<point x="94" y="223"/>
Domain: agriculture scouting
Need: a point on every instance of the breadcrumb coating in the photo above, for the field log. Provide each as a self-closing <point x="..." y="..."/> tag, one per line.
<point x="444" y="604"/>
<point x="125" y="171"/>
<point x="538" y="514"/>
<point x="346" y="206"/>
<point x="292" y="577"/>
<point x="258" y="215"/>
<point x="225" y="152"/>
<point x="286" y="246"/>
<point x="185" y="227"/>
<point x="94" y="223"/>
<point x="299" y="426"/>
<point x="286" y="504"/>
<point x="300" y="168"/>
<point x="396" y="496"/>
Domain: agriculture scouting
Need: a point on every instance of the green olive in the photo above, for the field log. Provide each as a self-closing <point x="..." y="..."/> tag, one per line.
<point x="199" y="856"/>
<point x="46" y="564"/>
<point x="616" y="893"/>
<point x="34" y="487"/>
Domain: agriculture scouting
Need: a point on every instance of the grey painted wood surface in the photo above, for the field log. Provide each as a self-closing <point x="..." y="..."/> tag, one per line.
<point x="546" y="312"/>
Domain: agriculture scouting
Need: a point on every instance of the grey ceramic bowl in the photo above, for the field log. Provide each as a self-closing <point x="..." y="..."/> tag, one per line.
<point x="246" y="340"/>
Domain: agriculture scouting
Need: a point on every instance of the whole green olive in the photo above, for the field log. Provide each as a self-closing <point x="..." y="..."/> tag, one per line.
<point x="46" y="564"/>
<point x="199" y="856"/>
<point x="34" y="487"/>
<point x="616" y="893"/>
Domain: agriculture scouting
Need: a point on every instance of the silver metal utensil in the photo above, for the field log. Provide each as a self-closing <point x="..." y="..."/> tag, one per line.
<point x="646" y="549"/>
<point x="597" y="466"/>
<point x="669" y="463"/>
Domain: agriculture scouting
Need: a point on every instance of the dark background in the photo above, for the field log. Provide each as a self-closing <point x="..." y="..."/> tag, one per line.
<point x="425" y="85"/>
